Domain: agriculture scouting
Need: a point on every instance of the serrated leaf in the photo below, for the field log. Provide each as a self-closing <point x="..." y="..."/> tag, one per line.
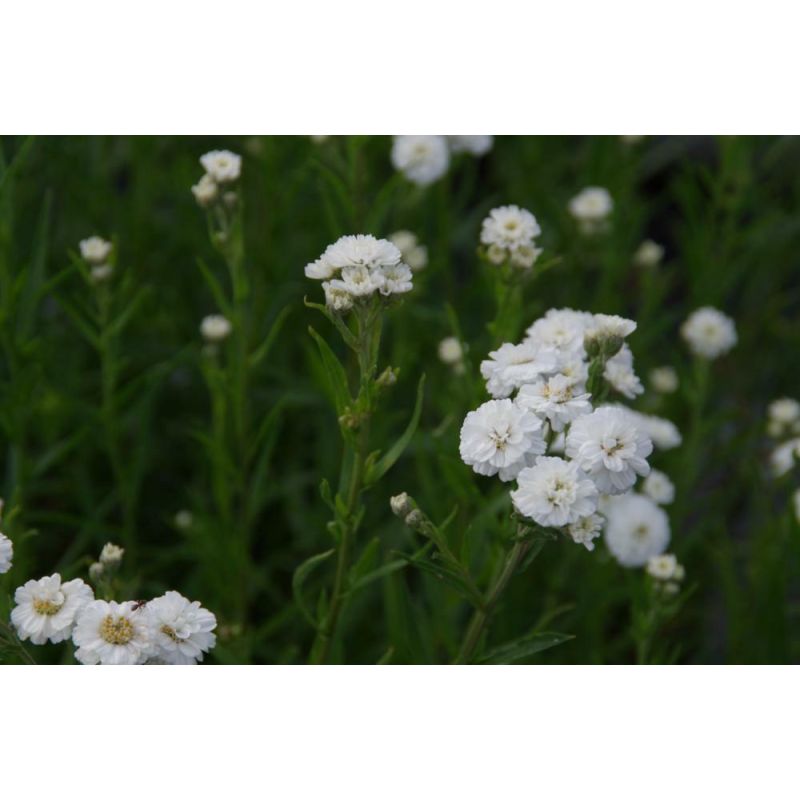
<point x="523" y="647"/>
<point x="299" y="578"/>
<point x="380" y="468"/>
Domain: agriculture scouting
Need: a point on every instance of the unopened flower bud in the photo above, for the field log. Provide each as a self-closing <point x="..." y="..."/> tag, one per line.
<point x="111" y="555"/>
<point x="401" y="505"/>
<point x="416" y="520"/>
<point x="96" y="571"/>
<point x="101" y="273"/>
<point x="496" y="254"/>
<point x="387" y="378"/>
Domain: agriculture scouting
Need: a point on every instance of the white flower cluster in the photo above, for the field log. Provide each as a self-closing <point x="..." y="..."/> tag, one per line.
<point x="667" y="572"/>
<point x="167" y="630"/>
<point x="783" y="424"/>
<point x="413" y="253"/>
<point x="648" y="254"/>
<point x="424" y="159"/>
<point x="709" y="333"/>
<point x="95" y="251"/>
<point x="215" y="328"/>
<point x="222" y="168"/>
<point x="592" y="208"/>
<point x="451" y="352"/>
<point x="355" y="267"/>
<point x="508" y="235"/>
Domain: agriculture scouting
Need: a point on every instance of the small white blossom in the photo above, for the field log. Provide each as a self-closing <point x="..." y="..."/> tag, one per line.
<point x="96" y="571"/>
<point x="101" y="273"/>
<point x="586" y="529"/>
<point x="95" y="250"/>
<point x="401" y="505"/>
<point x="474" y="145"/>
<point x="783" y="457"/>
<point x="591" y="208"/>
<point x="397" y="279"/>
<point x="183" y="519"/>
<point x="709" y="333"/>
<point x="663" y="433"/>
<point x="558" y="399"/>
<point x="361" y="250"/>
<point x="648" y="254"/>
<point x="112" y="633"/>
<point x="510" y="227"/>
<point x="664" y="380"/>
<point x="320" y="270"/>
<point x="422" y="159"/>
<point x="6" y="553"/>
<point x="215" y="328"/>
<point x="205" y="191"/>
<point x="46" y="609"/>
<point x="659" y="488"/>
<point x="337" y="298"/>
<point x="111" y="555"/>
<point x="412" y="252"/>
<point x="619" y="373"/>
<point x="513" y="365"/>
<point x="636" y="530"/>
<point x="360" y="281"/>
<point x="783" y="416"/>
<point x="610" y="448"/>
<point x="180" y="630"/>
<point x="222" y="165"/>
<point x="451" y="351"/>
<point x="665" y="568"/>
<point x="554" y="492"/>
<point x="501" y="438"/>
<point x="561" y="329"/>
<point x="609" y="326"/>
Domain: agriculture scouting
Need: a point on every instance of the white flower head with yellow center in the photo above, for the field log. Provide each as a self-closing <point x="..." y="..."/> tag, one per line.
<point x="112" y="633"/>
<point x="181" y="631"/>
<point x="46" y="609"/>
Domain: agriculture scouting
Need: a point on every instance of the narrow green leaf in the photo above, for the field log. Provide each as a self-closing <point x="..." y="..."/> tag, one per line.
<point x="337" y="377"/>
<point x="523" y="647"/>
<point x="216" y="289"/>
<point x="299" y="578"/>
<point x="263" y="349"/>
<point x="378" y="470"/>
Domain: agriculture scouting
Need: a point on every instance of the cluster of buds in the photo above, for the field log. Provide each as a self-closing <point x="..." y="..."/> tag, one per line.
<point x="404" y="507"/>
<point x="666" y="573"/>
<point x="97" y="253"/>
<point x="223" y="169"/>
<point x="108" y="563"/>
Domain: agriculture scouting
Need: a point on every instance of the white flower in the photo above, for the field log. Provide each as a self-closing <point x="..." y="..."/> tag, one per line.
<point x="648" y="254"/>
<point x="609" y="326"/>
<point x="586" y="529"/>
<point x="183" y="519"/>
<point x="610" y="448"/>
<point x="6" y="553"/>
<point x="659" y="488"/>
<point x="101" y="273"/>
<point x="413" y="253"/>
<point x="215" y="328"/>
<point x="664" y="380"/>
<point x="180" y="631"/>
<point x="337" y="297"/>
<point x="561" y="329"/>
<point x="360" y="281"/>
<point x="664" y="567"/>
<point x="637" y="529"/>
<point x="663" y="433"/>
<point x="205" y="191"/>
<point x="320" y="270"/>
<point x="591" y="208"/>
<point x="475" y="145"/>
<point x="782" y="458"/>
<point x="709" y="333"/>
<point x="619" y="373"/>
<point x="525" y="257"/>
<point x="501" y="438"/>
<point x="112" y="633"/>
<point x="450" y="350"/>
<point x="785" y="411"/>
<point x="513" y="365"/>
<point x="111" y="555"/>
<point x="554" y="493"/>
<point x="95" y="250"/>
<point x="397" y="279"/>
<point x="46" y="609"/>
<point x="558" y="399"/>
<point x="222" y="165"/>
<point x="422" y="159"/>
<point x="361" y="250"/>
<point x="510" y="227"/>
<point x="96" y="571"/>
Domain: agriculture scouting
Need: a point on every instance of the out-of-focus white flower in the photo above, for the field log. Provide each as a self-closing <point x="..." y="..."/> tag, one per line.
<point x="320" y="270"/>
<point x="412" y="252"/>
<point x="511" y="228"/>
<point x="554" y="492"/>
<point x="610" y="448"/>
<point x="783" y="457"/>
<point x="101" y="273"/>
<point x="796" y="501"/>
<point x="663" y="433"/>
<point x="397" y="279"/>
<point x="95" y="250"/>
<point x="46" y="609"/>
<point x="619" y="373"/>
<point x="665" y="568"/>
<point x="96" y="571"/>
<point x="709" y="333"/>
<point x="319" y="139"/>
<point x="586" y="529"/>
<point x="631" y="140"/>
<point x="659" y="488"/>
<point x="474" y="145"/>
<point x="525" y="257"/>
<point x="648" y="254"/>
<point x="636" y="530"/>
<point x="664" y="380"/>
<point x="180" y="630"/>
<point x="215" y="328"/>
<point x="183" y="519"/>
<point x="205" y="191"/>
<point x="451" y="351"/>
<point x="559" y="400"/>
<point x="111" y="555"/>
<point x="500" y="438"/>
<point x="783" y="417"/>
<point x="222" y="165"/>
<point x="422" y="159"/>
<point x="6" y="553"/>
<point x="112" y="633"/>
<point x="592" y="207"/>
<point x="561" y="329"/>
<point x="337" y="298"/>
<point x="513" y="365"/>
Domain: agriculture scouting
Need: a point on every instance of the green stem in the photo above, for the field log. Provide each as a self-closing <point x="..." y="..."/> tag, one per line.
<point x="482" y="616"/>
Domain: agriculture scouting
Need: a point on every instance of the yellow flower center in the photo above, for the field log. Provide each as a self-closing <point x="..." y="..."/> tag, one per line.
<point x="46" y="607"/>
<point x="116" y="631"/>
<point x="169" y="631"/>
